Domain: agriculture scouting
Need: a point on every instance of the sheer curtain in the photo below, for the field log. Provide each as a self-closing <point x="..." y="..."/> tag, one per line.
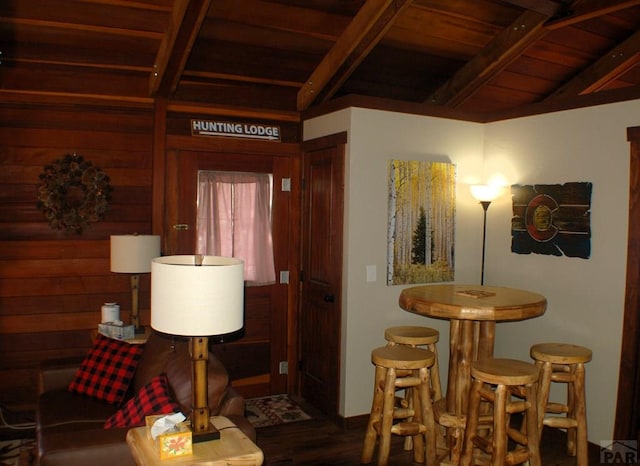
<point x="234" y="220"/>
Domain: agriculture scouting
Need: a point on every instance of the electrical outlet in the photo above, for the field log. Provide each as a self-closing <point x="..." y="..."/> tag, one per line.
<point x="284" y="367"/>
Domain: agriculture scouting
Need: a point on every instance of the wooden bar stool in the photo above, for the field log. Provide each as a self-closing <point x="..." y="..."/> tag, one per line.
<point x="564" y="363"/>
<point x="401" y="367"/>
<point x="498" y="381"/>
<point x="419" y="336"/>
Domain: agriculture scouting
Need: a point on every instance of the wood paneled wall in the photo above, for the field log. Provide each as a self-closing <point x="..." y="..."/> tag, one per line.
<point x="52" y="283"/>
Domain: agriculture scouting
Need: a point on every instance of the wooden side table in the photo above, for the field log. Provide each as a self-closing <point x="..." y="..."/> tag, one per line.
<point x="138" y="339"/>
<point x="233" y="448"/>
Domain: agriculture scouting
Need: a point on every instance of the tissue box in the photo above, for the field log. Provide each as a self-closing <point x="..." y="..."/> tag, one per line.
<point x="171" y="444"/>
<point x="117" y="332"/>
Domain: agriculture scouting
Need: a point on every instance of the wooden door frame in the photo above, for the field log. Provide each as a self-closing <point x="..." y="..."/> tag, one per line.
<point x="337" y="141"/>
<point x="627" y="410"/>
<point x="286" y="157"/>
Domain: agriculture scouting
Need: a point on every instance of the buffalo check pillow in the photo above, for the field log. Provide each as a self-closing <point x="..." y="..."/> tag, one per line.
<point x="106" y="372"/>
<point x="153" y="398"/>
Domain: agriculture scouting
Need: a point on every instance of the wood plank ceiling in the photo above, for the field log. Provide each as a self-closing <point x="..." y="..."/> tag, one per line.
<point x="476" y="59"/>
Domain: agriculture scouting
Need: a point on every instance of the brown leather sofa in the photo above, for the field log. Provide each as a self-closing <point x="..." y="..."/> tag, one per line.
<point x="70" y="427"/>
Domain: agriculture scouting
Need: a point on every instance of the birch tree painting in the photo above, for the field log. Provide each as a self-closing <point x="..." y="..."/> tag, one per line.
<point x="420" y="244"/>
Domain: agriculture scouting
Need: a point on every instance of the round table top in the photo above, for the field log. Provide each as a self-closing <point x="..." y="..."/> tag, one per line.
<point x="472" y="302"/>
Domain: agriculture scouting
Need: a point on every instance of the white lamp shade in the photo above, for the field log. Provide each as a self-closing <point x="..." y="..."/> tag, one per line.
<point x="197" y="300"/>
<point x="485" y="192"/>
<point x="133" y="253"/>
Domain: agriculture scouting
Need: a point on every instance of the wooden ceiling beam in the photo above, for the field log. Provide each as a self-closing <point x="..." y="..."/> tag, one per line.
<point x="66" y="26"/>
<point x="521" y="34"/>
<point x="186" y="19"/>
<point x="232" y="111"/>
<point x="206" y="75"/>
<point x="66" y="98"/>
<point x="584" y="11"/>
<point x="545" y="7"/>
<point x="366" y="29"/>
<point x="495" y="57"/>
<point x="607" y="68"/>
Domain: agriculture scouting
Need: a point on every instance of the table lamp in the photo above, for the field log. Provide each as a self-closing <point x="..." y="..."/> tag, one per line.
<point x="484" y="193"/>
<point x="197" y="297"/>
<point x="133" y="254"/>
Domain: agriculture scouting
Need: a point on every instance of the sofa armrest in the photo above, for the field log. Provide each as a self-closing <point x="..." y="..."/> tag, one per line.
<point x="231" y="404"/>
<point x="57" y="373"/>
<point x="233" y="407"/>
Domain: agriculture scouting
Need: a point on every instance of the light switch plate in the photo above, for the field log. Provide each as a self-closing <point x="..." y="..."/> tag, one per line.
<point x="372" y="273"/>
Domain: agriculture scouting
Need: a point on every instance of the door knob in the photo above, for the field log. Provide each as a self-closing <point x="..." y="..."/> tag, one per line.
<point x="329" y="298"/>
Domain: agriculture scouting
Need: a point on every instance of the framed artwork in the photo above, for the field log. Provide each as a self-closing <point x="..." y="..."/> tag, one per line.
<point x="552" y="219"/>
<point x="420" y="229"/>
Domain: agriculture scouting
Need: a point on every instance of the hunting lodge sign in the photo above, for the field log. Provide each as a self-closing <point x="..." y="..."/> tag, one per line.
<point x="235" y="130"/>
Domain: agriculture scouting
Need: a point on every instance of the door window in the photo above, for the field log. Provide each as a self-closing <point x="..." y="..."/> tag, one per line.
<point x="234" y="220"/>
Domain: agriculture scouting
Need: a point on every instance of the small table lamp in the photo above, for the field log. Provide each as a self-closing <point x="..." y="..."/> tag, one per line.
<point x="133" y="254"/>
<point x="485" y="193"/>
<point x="198" y="296"/>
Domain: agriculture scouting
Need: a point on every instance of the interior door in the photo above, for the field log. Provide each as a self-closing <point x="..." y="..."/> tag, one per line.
<point x="254" y="358"/>
<point x="321" y="298"/>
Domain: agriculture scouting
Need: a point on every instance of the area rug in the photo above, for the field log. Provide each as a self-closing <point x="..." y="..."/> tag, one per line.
<point x="18" y="452"/>
<point x="273" y="410"/>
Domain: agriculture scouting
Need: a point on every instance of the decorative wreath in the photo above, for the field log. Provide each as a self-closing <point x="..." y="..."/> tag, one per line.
<point x="73" y="193"/>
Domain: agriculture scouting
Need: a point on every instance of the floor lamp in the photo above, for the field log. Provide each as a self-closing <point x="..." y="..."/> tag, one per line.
<point x="197" y="297"/>
<point x="132" y="254"/>
<point x="485" y="194"/>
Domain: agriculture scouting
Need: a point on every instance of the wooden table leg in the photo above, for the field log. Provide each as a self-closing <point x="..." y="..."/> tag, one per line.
<point x="466" y="350"/>
<point x="486" y="339"/>
<point x="461" y="355"/>
<point x="468" y="341"/>
<point x="455" y="335"/>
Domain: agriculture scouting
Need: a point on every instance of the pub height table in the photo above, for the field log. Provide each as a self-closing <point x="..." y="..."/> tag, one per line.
<point x="472" y="311"/>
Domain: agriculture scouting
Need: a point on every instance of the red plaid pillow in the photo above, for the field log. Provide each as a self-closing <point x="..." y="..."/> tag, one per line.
<point x="107" y="370"/>
<point x="153" y="398"/>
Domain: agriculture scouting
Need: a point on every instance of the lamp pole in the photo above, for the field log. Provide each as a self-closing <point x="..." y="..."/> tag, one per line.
<point x="485" y="206"/>
<point x="484" y="194"/>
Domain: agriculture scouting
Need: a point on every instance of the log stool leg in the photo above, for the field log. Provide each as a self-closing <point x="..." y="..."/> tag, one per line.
<point x="531" y="421"/>
<point x="579" y="413"/>
<point x="376" y="415"/>
<point x="387" y="416"/>
<point x="427" y="416"/>
<point x="473" y="416"/>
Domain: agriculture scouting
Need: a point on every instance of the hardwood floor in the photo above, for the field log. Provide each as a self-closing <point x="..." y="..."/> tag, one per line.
<point x="322" y="442"/>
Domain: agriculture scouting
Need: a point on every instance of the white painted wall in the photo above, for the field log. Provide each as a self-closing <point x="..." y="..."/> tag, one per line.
<point x="586" y="297"/>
